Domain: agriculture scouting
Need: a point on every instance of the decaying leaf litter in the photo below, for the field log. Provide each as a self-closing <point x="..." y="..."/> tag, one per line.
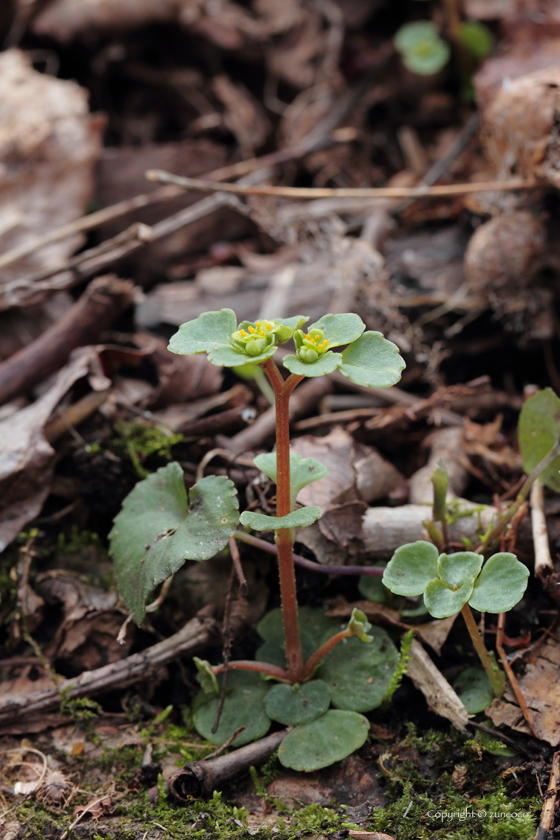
<point x="97" y="731"/>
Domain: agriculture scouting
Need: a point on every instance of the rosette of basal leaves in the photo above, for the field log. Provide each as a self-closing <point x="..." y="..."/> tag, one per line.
<point x="229" y="344"/>
<point x="159" y="528"/>
<point x="449" y="581"/>
<point x="369" y="359"/>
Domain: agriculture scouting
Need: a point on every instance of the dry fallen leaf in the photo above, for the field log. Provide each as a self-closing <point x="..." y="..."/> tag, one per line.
<point x="26" y="459"/>
<point x="49" y="145"/>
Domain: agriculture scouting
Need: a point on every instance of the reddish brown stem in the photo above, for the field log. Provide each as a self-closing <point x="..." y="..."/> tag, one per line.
<point x="252" y="665"/>
<point x="322" y="651"/>
<point x="284" y="537"/>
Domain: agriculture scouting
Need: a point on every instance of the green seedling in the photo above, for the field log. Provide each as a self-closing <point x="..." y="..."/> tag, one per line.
<point x="324" y="677"/>
<point x="425" y="52"/>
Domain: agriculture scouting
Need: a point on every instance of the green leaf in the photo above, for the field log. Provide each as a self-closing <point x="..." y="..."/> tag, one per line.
<point x="324" y="364"/>
<point x="303" y="471"/>
<point x="294" y="704"/>
<point x="475" y="690"/>
<point x="296" y="519"/>
<point x="500" y="585"/>
<point x="373" y="589"/>
<point x="312" y="621"/>
<point x="411" y="568"/>
<point x="372" y="361"/>
<point x="539" y="428"/>
<point x="243" y="706"/>
<point x="358" y="675"/>
<point x="456" y="569"/>
<point x="340" y="329"/>
<point x="157" y="530"/>
<point x="204" y="333"/>
<point x="206" y="676"/>
<point x="440" y="481"/>
<point x="443" y="602"/>
<point x="359" y="626"/>
<point x="296" y="322"/>
<point x="477" y="38"/>
<point x="315" y="628"/>
<point x="326" y="740"/>
<point x="226" y="356"/>
<point x="427" y="58"/>
<point x="422" y="49"/>
<point x="411" y="33"/>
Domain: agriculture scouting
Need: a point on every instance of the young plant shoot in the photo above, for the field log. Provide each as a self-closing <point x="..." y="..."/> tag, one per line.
<point x="315" y="664"/>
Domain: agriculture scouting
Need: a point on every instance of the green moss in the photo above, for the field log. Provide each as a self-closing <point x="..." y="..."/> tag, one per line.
<point x="142" y="441"/>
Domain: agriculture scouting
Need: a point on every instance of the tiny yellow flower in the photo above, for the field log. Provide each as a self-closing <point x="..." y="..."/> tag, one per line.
<point x="243" y="333"/>
<point x="252" y="329"/>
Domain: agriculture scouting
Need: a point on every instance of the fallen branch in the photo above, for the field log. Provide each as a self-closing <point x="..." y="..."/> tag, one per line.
<point x="95" y="311"/>
<point x="201" y="778"/>
<point x="549" y="804"/>
<point x="340" y="192"/>
<point x="196" y="634"/>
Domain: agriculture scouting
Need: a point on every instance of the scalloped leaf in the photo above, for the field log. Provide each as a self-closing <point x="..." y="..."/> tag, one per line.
<point x="500" y="585"/>
<point x="427" y="58"/>
<point x="324" y="364"/>
<point x="326" y="740"/>
<point x="157" y="530"/>
<point x="474" y="689"/>
<point x="291" y="705"/>
<point x="443" y="602"/>
<point x="372" y="361"/>
<point x="296" y="519"/>
<point x="358" y="675"/>
<point x="456" y="569"/>
<point x="539" y="426"/>
<point x="340" y="329"/>
<point x="359" y="626"/>
<point x="296" y="322"/>
<point x="243" y="706"/>
<point x="411" y="568"/>
<point x="477" y="38"/>
<point x="303" y="471"/>
<point x="204" y="333"/>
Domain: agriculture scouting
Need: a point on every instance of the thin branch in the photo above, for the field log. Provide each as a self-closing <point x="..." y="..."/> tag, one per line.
<point x="370" y="571"/>
<point x="543" y="561"/>
<point x="162" y="177"/>
<point x="512" y="678"/>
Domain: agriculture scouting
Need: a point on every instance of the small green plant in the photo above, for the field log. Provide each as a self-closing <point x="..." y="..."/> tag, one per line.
<point x="325" y="677"/>
<point x="452" y="583"/>
<point x="425" y="52"/>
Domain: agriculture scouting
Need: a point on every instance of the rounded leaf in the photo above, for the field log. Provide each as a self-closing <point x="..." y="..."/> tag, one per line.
<point x="372" y="361"/>
<point x="474" y="689"/>
<point x="204" y="333"/>
<point x="312" y="621"/>
<point x="411" y="568"/>
<point x="500" y="585"/>
<point x="157" y="530"/>
<point x="539" y="427"/>
<point x="359" y="674"/>
<point x="411" y="33"/>
<point x="323" y="365"/>
<point x="326" y="740"/>
<point x="373" y="589"/>
<point x="428" y="57"/>
<point x="459" y="568"/>
<point x="340" y="329"/>
<point x="294" y="704"/>
<point x="477" y="38"/>
<point x="303" y="471"/>
<point x="296" y="519"/>
<point x="443" y="602"/>
<point x="243" y="706"/>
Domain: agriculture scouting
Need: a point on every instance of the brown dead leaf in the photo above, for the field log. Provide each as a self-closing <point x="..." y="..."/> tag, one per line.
<point x="26" y="459"/>
<point x="503" y="253"/>
<point x="49" y="145"/>
<point x="519" y="129"/>
<point x="540" y="686"/>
